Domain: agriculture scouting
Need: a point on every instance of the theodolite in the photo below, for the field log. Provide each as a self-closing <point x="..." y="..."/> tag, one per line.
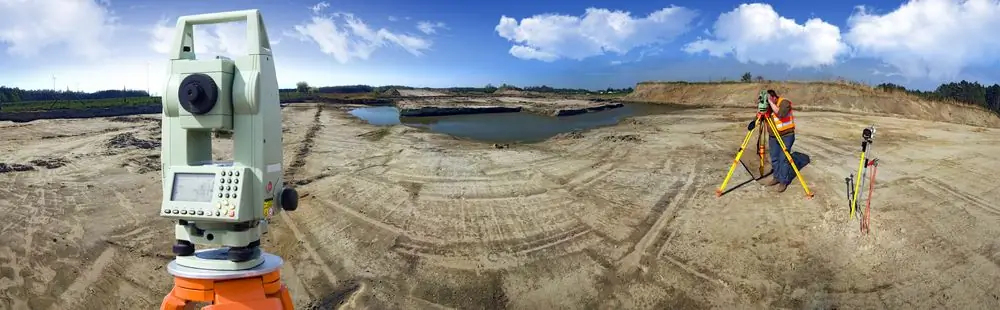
<point x="225" y="204"/>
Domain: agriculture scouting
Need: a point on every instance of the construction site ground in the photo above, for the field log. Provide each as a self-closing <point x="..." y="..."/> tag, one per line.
<point x="620" y="217"/>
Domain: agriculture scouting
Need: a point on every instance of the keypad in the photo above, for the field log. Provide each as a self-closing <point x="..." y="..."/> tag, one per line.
<point x="226" y="207"/>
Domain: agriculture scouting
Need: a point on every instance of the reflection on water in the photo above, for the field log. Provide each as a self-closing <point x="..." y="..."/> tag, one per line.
<point x="509" y="127"/>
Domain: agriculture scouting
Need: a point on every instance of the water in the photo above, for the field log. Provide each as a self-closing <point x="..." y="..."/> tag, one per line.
<point x="509" y="127"/>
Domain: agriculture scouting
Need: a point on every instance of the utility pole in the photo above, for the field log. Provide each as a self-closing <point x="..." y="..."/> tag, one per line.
<point x="147" y="79"/>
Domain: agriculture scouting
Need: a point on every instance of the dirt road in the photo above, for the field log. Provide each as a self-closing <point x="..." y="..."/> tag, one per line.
<point x="621" y="217"/>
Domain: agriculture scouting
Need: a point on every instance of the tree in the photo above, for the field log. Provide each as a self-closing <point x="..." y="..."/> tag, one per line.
<point x="760" y="79"/>
<point x="302" y="87"/>
<point x="747" y="78"/>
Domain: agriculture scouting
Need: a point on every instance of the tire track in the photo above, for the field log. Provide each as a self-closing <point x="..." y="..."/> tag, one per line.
<point x="290" y="176"/>
<point x="521" y="246"/>
<point x="631" y="261"/>
<point x="945" y="190"/>
<point x="74" y="294"/>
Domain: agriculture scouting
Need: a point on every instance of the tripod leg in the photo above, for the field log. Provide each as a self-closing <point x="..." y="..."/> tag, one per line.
<point x="743" y="147"/>
<point x="868" y="203"/>
<point x="850" y="190"/>
<point x="761" y="148"/>
<point x="784" y="149"/>
<point x="857" y="182"/>
<point x="171" y="302"/>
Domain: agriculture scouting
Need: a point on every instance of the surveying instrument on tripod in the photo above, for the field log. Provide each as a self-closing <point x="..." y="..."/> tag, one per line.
<point x="764" y="115"/>
<point x="854" y="187"/>
<point x="224" y="204"/>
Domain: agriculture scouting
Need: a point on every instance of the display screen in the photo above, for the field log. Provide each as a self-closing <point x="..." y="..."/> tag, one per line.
<point x="194" y="187"/>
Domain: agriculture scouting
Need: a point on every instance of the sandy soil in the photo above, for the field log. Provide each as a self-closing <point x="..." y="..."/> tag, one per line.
<point x="813" y="96"/>
<point x="419" y="93"/>
<point x="622" y="217"/>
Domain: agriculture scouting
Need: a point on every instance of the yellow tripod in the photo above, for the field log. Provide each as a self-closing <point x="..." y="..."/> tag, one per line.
<point x="761" y="118"/>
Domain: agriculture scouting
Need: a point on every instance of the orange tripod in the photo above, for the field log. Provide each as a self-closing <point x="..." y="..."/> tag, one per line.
<point x="257" y="288"/>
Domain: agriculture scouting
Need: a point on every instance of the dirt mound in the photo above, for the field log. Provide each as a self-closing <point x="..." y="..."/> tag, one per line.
<point x="128" y="139"/>
<point x="510" y="92"/>
<point x="134" y="119"/>
<point x="815" y="96"/>
<point x="5" y="167"/>
<point x="419" y="93"/>
<point x="623" y="138"/>
<point x="50" y="162"/>
<point x="392" y="92"/>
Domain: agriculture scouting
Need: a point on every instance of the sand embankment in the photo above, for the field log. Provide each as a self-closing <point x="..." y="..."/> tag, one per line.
<point x="815" y="96"/>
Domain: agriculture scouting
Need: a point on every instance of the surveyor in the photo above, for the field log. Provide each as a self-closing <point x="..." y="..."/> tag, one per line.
<point x="781" y="114"/>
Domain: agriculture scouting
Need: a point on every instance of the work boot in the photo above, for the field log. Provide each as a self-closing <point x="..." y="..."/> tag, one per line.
<point x="779" y="188"/>
<point x="770" y="181"/>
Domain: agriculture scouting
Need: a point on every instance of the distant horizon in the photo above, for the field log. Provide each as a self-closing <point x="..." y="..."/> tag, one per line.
<point x="720" y="81"/>
<point x="90" y="45"/>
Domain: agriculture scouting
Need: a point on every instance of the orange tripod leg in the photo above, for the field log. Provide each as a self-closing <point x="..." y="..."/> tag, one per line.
<point x="260" y="292"/>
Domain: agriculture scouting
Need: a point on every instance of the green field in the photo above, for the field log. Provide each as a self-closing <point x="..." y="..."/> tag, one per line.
<point x="48" y="105"/>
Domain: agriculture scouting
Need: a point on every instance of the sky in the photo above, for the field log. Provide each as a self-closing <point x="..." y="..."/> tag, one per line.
<point x="90" y="45"/>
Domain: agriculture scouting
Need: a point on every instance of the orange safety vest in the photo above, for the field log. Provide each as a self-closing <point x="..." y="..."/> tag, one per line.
<point x="783" y="124"/>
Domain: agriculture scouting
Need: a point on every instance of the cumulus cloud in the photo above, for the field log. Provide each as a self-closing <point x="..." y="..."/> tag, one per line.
<point x="429" y="27"/>
<point x="346" y="37"/>
<point x="82" y="27"/>
<point x="756" y="33"/>
<point x="228" y="39"/>
<point x="929" y="38"/>
<point x="548" y="37"/>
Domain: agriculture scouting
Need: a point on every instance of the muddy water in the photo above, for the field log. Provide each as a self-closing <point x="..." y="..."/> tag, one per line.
<point x="521" y="127"/>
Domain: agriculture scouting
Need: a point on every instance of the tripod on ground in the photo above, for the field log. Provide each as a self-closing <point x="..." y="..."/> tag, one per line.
<point x="761" y="118"/>
<point x="854" y="187"/>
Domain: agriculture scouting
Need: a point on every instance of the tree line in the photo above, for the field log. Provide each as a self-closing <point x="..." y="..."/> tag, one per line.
<point x="964" y="91"/>
<point x="972" y="93"/>
<point x="14" y="94"/>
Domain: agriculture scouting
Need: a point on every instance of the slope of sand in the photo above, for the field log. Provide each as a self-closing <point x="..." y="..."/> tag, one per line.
<point x="622" y="217"/>
<point x="813" y="96"/>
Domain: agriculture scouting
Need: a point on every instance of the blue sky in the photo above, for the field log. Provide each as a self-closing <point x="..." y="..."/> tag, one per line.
<point x="98" y="44"/>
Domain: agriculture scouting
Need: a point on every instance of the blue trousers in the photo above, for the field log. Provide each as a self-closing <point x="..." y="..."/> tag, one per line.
<point x="782" y="169"/>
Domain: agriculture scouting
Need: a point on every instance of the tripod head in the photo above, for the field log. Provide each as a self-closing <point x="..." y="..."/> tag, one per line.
<point x="868" y="134"/>
<point x="222" y="203"/>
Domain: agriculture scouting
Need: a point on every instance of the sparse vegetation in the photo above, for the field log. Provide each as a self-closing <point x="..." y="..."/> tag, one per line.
<point x="20" y="100"/>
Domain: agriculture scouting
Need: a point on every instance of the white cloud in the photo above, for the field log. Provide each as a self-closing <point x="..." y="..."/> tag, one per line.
<point x="228" y="39"/>
<point x="82" y="27"/>
<point x="319" y="7"/>
<point x="548" y="37"/>
<point x="929" y="38"/>
<point x="430" y="27"/>
<point x="346" y="37"/>
<point x="756" y="33"/>
<point x="393" y="18"/>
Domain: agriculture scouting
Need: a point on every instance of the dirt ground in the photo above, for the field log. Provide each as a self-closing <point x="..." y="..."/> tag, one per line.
<point x="621" y="217"/>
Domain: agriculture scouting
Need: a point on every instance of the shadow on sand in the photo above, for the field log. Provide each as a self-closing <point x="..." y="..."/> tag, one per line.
<point x="801" y="161"/>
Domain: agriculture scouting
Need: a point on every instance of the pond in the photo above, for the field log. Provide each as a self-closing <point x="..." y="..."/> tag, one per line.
<point x="509" y="127"/>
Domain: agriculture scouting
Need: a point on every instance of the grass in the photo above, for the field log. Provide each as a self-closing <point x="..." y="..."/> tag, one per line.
<point x="53" y="105"/>
<point x="49" y="105"/>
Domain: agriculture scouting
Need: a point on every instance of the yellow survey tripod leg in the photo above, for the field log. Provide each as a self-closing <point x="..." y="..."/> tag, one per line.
<point x="857" y="184"/>
<point x="784" y="149"/>
<point x="866" y="145"/>
<point x="761" y="149"/>
<point x="743" y="147"/>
